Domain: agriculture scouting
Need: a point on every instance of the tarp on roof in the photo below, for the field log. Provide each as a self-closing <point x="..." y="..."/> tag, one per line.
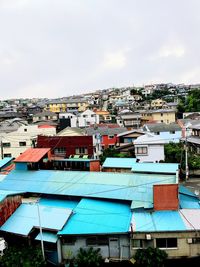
<point x="120" y="186"/>
<point x="156" y="167"/>
<point x="47" y="237"/>
<point x="32" y="155"/>
<point x="26" y="217"/>
<point x="157" y="221"/>
<point x="119" y="163"/>
<point x="5" y="161"/>
<point x="98" y="217"/>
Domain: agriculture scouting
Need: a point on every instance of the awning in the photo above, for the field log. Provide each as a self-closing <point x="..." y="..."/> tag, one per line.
<point x="47" y="237"/>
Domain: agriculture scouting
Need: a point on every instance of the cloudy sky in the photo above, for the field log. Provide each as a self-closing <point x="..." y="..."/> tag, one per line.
<point x="55" y="48"/>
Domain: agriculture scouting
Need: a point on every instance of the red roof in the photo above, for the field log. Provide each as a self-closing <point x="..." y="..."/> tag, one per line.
<point x="32" y="155"/>
<point x="46" y="126"/>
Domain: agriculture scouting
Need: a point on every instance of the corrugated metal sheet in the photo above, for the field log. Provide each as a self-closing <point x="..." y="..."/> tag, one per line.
<point x="186" y="191"/>
<point x="188" y="202"/>
<point x="165" y="197"/>
<point x="133" y="187"/>
<point x="5" y="161"/>
<point x="32" y="155"/>
<point x="191" y="218"/>
<point x="156" y="167"/>
<point x="119" y="163"/>
<point x="98" y="217"/>
<point x="26" y="217"/>
<point x="47" y="237"/>
<point x="157" y="221"/>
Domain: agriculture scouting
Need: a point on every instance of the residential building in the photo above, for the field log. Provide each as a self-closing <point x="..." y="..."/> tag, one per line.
<point x="45" y="116"/>
<point x="169" y="132"/>
<point x="149" y="148"/>
<point x="67" y="146"/>
<point x="161" y="115"/>
<point x="157" y="103"/>
<point x="104" y="116"/>
<point x="15" y="143"/>
<point x="81" y="120"/>
<point x="105" y="136"/>
<point x="11" y="125"/>
<point x="129" y="120"/>
<point x="194" y="140"/>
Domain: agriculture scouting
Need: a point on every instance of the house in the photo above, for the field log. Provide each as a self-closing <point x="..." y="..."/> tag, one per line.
<point x="104" y="116"/>
<point x="14" y="143"/>
<point x="81" y="120"/>
<point x="125" y="142"/>
<point x="157" y="103"/>
<point x="149" y="148"/>
<point x="160" y="115"/>
<point x="56" y="106"/>
<point x="105" y="136"/>
<point x="193" y="141"/>
<point x="67" y="146"/>
<point x="45" y="116"/>
<point x="129" y="120"/>
<point x="170" y="132"/>
<point x="8" y="126"/>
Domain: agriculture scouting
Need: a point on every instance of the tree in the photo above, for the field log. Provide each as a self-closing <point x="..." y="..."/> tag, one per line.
<point x="22" y="256"/>
<point x="112" y="153"/>
<point x="89" y="257"/>
<point x="150" y="257"/>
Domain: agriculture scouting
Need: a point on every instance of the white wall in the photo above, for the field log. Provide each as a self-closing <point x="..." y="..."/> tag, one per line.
<point x="155" y="153"/>
<point x="23" y="134"/>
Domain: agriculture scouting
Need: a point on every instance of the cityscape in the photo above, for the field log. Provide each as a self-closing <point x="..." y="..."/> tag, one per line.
<point x="99" y="133"/>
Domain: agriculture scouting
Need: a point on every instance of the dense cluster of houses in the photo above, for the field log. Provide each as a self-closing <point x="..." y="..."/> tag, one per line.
<point x="50" y="168"/>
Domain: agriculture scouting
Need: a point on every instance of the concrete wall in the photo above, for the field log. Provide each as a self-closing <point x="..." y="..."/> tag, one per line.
<point x="121" y="250"/>
<point x="184" y="249"/>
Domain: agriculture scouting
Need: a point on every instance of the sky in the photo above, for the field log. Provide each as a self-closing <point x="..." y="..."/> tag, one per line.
<point x="57" y="48"/>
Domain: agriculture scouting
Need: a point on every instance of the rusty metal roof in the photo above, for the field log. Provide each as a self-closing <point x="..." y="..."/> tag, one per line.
<point x="32" y="155"/>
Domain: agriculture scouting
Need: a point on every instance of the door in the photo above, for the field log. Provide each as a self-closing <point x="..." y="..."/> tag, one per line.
<point x="114" y="248"/>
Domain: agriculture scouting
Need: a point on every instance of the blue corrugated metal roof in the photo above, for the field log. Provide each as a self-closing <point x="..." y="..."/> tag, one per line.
<point x="186" y="191"/>
<point x="157" y="221"/>
<point x="98" y="217"/>
<point x="188" y="202"/>
<point x="47" y="236"/>
<point x="5" y="161"/>
<point x="119" y="162"/>
<point x="26" y="217"/>
<point x="155" y="167"/>
<point x="5" y="193"/>
<point x="133" y="187"/>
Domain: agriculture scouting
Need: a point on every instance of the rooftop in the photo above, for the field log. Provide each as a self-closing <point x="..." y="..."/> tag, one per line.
<point x="119" y="163"/>
<point x="32" y="155"/>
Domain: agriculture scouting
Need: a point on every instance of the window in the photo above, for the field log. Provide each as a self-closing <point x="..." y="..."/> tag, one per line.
<point x="81" y="150"/>
<point x="161" y="114"/>
<point x="137" y="243"/>
<point x="7" y="155"/>
<point x="111" y="146"/>
<point x="25" y="129"/>
<point x="69" y="240"/>
<point x="157" y="133"/>
<point x="6" y="144"/>
<point x="172" y="132"/>
<point x="141" y="150"/>
<point x="195" y="240"/>
<point x="110" y="136"/>
<point x="97" y="241"/>
<point x="166" y="242"/>
<point x="22" y="143"/>
<point x="60" y="150"/>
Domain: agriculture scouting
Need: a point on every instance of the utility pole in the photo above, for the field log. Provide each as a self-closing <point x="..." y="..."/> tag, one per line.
<point x="1" y="143"/>
<point x="186" y="157"/>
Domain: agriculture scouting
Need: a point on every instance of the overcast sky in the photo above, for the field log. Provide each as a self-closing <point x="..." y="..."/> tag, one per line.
<point x="55" y="48"/>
